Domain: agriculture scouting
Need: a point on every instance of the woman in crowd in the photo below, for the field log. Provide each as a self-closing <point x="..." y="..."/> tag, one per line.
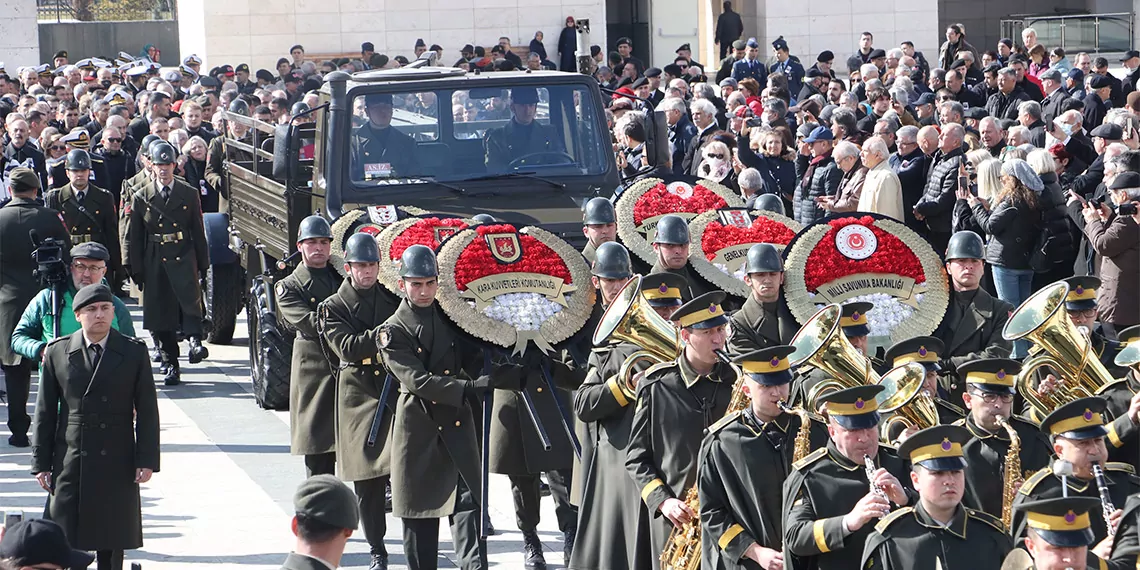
<point x="846" y="156"/>
<point x="1058" y="61"/>
<point x="764" y="150"/>
<point x="1061" y="232"/>
<point x="1038" y="60"/>
<point x="537" y="47"/>
<point x="716" y="164"/>
<point x="567" y="45"/>
<point x="195" y="152"/>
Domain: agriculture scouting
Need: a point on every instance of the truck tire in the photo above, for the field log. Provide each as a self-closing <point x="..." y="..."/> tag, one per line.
<point x="222" y="296"/>
<point x="270" y="350"/>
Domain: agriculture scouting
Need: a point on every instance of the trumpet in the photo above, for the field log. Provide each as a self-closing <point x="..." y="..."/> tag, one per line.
<point x="820" y="343"/>
<point x="630" y="319"/>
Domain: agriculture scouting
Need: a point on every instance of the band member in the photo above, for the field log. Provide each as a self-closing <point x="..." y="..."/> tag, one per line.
<point x="676" y="401"/>
<point x="831" y="502"/>
<point x="743" y="463"/>
<point x="965" y="538"/>
<point x="926" y="350"/>
<point x="663" y="292"/>
<point x="989" y="394"/>
<point x="610" y="508"/>
<point x="971" y="328"/>
<point x="853" y="323"/>
<point x="1124" y="402"/>
<point x="1059" y="532"/>
<point x="350" y="325"/>
<point x="765" y="319"/>
<point x="312" y="386"/>
<point x="599" y="225"/>
<point x="435" y="452"/>
<point x="1080" y="304"/>
<point x="1077" y="430"/>
<point x="1126" y="544"/>
<point x="671" y="243"/>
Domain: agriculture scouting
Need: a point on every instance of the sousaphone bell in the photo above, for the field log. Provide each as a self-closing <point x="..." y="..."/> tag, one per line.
<point x="629" y="318"/>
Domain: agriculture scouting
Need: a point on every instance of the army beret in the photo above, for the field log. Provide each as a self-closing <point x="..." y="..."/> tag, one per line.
<point x="94" y="293"/>
<point x="23" y="180"/>
<point x="265" y="75"/>
<point x="639" y="82"/>
<point x="242" y="67"/>
<point x="208" y="82"/>
<point x="814" y="72"/>
<point x="739" y="44"/>
<point x="326" y="499"/>
<point x="1099" y="82"/>
<point x="1125" y="181"/>
<point x="90" y="250"/>
<point x="976" y="113"/>
<point x="653" y="72"/>
<point x="925" y="99"/>
<point x="992" y="68"/>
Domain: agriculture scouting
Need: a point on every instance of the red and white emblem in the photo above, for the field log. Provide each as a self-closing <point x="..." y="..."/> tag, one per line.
<point x="856" y="241"/>
<point x="444" y="232"/>
<point x="504" y="247"/>
<point x="681" y="189"/>
<point x="738" y="218"/>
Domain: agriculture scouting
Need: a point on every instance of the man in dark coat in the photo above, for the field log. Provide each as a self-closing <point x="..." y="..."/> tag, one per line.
<point x="21" y="217"/>
<point x="743" y="463"/>
<point x="671" y="244"/>
<point x="87" y="210"/>
<point x="765" y="319"/>
<point x="167" y="256"/>
<point x="677" y="401"/>
<point x="1095" y="108"/>
<point x="974" y="320"/>
<point x="1052" y="83"/>
<point x="325" y="515"/>
<point x="89" y="453"/>
<point x="97" y="170"/>
<point x="379" y="151"/>
<point x="435" y="452"/>
<point x="1004" y="103"/>
<point x="936" y="206"/>
<point x="704" y="121"/>
<point x="20" y="153"/>
<point x="350" y="323"/>
<point x="817" y="173"/>
<point x="1122" y="401"/>
<point x="522" y="136"/>
<point x="729" y="28"/>
<point x="909" y="164"/>
<point x="312" y="387"/>
<point x="120" y="164"/>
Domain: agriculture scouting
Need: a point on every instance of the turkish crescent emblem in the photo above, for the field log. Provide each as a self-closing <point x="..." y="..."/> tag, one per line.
<point x="504" y="247"/>
<point x="444" y="232"/>
<point x="680" y="189"/>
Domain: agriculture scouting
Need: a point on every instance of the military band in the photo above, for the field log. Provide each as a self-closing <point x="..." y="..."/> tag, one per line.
<point x="764" y="320"/>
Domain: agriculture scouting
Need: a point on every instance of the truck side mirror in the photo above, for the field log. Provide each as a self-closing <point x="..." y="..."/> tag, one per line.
<point x="657" y="151"/>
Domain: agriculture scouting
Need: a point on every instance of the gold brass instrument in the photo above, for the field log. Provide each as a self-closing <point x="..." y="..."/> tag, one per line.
<point x="912" y="406"/>
<point x="802" y="445"/>
<point x="1042" y="320"/>
<point x="820" y="343"/>
<point x="632" y="320"/>
<point x="1011" y="470"/>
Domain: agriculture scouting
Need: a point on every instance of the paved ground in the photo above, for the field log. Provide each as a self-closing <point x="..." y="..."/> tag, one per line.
<point x="223" y="496"/>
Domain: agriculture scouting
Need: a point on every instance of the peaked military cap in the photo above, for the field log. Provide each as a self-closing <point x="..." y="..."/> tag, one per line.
<point x="703" y="312"/>
<point x="1082" y="418"/>
<point x="663" y="289"/>
<point x="854" y="318"/>
<point x="1063" y="521"/>
<point x="993" y="375"/>
<point x="937" y="448"/>
<point x="1082" y="292"/>
<point x="925" y="350"/>
<point x="855" y="407"/>
<point x="768" y="366"/>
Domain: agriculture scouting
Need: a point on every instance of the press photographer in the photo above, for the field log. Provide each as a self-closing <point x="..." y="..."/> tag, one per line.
<point x="19" y="219"/>
<point x="1113" y="232"/>
<point x="88" y="266"/>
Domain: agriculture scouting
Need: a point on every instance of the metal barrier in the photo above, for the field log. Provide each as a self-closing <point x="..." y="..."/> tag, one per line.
<point x="105" y="10"/>
<point x="1095" y="33"/>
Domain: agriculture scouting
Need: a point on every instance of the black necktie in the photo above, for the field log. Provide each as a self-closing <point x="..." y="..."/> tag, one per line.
<point x="165" y="193"/>
<point x="96" y="354"/>
<point x="80" y="196"/>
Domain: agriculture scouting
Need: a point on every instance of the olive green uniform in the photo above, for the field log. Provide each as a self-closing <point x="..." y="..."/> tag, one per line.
<point x="761" y="325"/>
<point x="985" y="456"/>
<point x="93" y="219"/>
<point x="910" y="538"/>
<point x="1122" y="482"/>
<point x="971" y="329"/>
<point x="312" y="386"/>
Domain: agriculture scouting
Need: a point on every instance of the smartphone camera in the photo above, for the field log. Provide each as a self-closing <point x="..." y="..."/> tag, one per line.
<point x="1128" y="209"/>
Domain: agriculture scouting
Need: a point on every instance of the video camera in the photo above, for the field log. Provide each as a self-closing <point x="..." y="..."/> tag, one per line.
<point x="48" y="255"/>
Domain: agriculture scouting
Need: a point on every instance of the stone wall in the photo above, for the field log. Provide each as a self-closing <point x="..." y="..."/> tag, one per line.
<point x="18" y="35"/>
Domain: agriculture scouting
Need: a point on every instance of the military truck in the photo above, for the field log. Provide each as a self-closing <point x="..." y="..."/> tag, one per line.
<point x="469" y="155"/>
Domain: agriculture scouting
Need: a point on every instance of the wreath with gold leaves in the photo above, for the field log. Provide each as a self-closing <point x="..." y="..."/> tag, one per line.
<point x="361" y="220"/>
<point x="719" y="243"/>
<point x="430" y="230"/>
<point x="641" y="205"/>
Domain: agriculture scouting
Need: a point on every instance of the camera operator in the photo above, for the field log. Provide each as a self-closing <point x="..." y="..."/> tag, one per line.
<point x="1115" y="237"/>
<point x="21" y="220"/>
<point x="88" y="266"/>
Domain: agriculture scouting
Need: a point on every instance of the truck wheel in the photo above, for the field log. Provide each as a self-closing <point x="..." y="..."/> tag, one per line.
<point x="222" y="297"/>
<point x="270" y="350"/>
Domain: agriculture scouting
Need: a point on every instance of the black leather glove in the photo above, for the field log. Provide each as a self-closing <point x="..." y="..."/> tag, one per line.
<point x="509" y="377"/>
<point x="477" y="387"/>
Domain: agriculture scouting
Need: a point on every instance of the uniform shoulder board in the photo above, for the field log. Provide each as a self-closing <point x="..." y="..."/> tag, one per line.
<point x="959" y="422"/>
<point x="988" y="519"/>
<point x="1118" y="466"/>
<point x="652" y="371"/>
<point x="1030" y="483"/>
<point x="811" y="458"/>
<point x="719" y="425"/>
<point x="953" y="408"/>
<point x="881" y="527"/>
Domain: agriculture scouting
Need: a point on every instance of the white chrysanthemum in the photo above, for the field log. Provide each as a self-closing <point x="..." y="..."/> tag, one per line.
<point x="523" y="311"/>
<point x="739" y="274"/>
<point x="889" y="312"/>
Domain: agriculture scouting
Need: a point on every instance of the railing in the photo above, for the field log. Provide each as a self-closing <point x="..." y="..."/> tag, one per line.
<point x="105" y="10"/>
<point x="1096" y="33"/>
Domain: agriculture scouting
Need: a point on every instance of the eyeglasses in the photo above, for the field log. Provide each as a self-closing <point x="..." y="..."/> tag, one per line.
<point x="992" y="398"/>
<point x="1087" y="313"/>
<point x="115" y="140"/>
<point x="81" y="268"/>
<point x="59" y="147"/>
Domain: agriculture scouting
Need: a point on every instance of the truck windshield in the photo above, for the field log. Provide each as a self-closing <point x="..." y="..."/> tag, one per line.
<point x="459" y="134"/>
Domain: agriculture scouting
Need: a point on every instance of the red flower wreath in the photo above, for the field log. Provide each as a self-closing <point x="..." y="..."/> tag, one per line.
<point x="826" y="264"/>
<point x="477" y="262"/>
<point x="718" y="236"/>
<point x="659" y="201"/>
<point x="422" y="233"/>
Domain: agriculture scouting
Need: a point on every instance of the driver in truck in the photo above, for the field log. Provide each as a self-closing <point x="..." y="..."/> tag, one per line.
<point x="378" y="150"/>
<point x="522" y="137"/>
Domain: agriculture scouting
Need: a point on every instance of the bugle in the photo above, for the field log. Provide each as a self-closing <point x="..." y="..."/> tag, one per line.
<point x="910" y="405"/>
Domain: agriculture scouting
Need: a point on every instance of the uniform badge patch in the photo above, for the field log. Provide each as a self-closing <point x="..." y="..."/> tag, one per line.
<point x="280" y="288"/>
<point x="385" y="337"/>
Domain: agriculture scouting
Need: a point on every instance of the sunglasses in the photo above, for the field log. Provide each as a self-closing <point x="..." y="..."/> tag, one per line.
<point x="716" y="156"/>
<point x="114" y="140"/>
<point x="59" y="148"/>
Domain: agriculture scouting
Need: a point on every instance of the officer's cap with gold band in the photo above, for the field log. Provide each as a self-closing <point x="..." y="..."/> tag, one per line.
<point x="1063" y="521"/>
<point x="925" y="350"/>
<point x="704" y="312"/>
<point x="854" y="318"/>
<point x="768" y="366"/>
<point x="993" y="375"/>
<point x="1082" y="293"/>
<point x="78" y="138"/>
<point x="854" y="408"/>
<point x="937" y="448"/>
<point x="1128" y="335"/>
<point x="1082" y="418"/>
<point x="663" y="289"/>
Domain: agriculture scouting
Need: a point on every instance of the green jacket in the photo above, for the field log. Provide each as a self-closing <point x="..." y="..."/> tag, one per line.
<point x="33" y="332"/>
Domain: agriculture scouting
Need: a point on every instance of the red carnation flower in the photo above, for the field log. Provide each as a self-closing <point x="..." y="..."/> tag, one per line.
<point x="477" y="262"/>
<point x="718" y="236"/>
<point x="826" y="264"/>
<point x="659" y="201"/>
<point x="422" y="233"/>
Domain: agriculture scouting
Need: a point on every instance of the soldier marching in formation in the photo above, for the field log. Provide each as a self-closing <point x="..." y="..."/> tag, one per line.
<point x="89" y="212"/>
<point x="764" y="320"/>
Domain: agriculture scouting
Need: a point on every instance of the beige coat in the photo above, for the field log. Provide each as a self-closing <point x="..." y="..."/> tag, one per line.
<point x="882" y="192"/>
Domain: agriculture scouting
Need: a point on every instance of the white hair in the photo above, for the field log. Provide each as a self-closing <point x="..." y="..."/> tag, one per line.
<point x="750" y="179"/>
<point x="867" y="69"/>
<point x="877" y="146"/>
<point x="671" y="104"/>
<point x="703" y="105"/>
<point x="844" y="149"/>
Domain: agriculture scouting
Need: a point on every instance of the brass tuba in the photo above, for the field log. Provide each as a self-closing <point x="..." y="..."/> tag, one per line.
<point x="820" y="343"/>
<point x="911" y="405"/>
<point x="1042" y="319"/>
<point x="632" y="320"/>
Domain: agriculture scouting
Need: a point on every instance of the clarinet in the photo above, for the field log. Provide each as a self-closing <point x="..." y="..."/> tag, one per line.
<point x="869" y="464"/>
<point x="1105" y="499"/>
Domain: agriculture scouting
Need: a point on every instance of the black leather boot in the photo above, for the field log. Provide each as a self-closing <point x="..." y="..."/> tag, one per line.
<point x="532" y="552"/>
<point x="198" y="353"/>
<point x="379" y="562"/>
<point x="173" y="376"/>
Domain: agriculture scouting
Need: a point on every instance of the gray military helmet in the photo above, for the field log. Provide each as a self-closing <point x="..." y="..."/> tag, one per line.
<point x="78" y="159"/>
<point x="611" y="261"/>
<point x="484" y="219"/>
<point x="764" y="258"/>
<point x="769" y="202"/>
<point x="239" y="107"/>
<point x="298" y="108"/>
<point x="313" y="227"/>
<point x="965" y="245"/>
<point x="361" y="248"/>
<point x="162" y="153"/>
<point x="672" y="229"/>
<point x="599" y="211"/>
<point x="146" y="142"/>
<point x="418" y="262"/>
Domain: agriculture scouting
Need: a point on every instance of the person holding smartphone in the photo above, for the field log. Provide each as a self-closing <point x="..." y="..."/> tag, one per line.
<point x="1115" y="237"/>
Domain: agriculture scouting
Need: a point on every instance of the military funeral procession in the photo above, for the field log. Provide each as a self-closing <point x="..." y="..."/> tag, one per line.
<point x="862" y="292"/>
